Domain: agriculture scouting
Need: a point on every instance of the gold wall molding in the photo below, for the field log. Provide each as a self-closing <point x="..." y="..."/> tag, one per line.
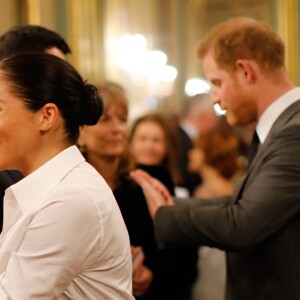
<point x="84" y="32"/>
<point x="288" y="29"/>
<point x="9" y="14"/>
<point x="34" y="12"/>
<point x="92" y="27"/>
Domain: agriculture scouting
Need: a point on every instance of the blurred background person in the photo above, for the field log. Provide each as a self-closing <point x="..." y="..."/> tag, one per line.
<point x="32" y="38"/>
<point x="105" y="146"/>
<point x="215" y="156"/>
<point x="198" y="117"/>
<point x="153" y="145"/>
<point x="160" y="274"/>
<point x="19" y="39"/>
<point x="153" y="149"/>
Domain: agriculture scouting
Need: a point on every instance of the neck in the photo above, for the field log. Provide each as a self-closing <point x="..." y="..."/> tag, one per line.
<point x="209" y="174"/>
<point x="273" y="88"/>
<point x="213" y="184"/>
<point x="44" y="153"/>
<point x="107" y="167"/>
<point x="211" y="177"/>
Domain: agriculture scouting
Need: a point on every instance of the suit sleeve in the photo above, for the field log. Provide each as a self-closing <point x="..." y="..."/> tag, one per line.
<point x="270" y="200"/>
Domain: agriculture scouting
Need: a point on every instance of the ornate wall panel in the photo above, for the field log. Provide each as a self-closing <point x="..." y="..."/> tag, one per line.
<point x="93" y="29"/>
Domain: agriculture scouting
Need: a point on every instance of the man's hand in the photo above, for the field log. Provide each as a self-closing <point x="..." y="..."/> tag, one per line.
<point x="155" y="192"/>
<point x="141" y="275"/>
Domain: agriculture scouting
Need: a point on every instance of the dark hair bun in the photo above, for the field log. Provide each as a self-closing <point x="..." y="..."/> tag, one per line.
<point x="94" y="106"/>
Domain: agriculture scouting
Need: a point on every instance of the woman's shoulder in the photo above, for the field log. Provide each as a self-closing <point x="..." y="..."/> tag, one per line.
<point x="160" y="173"/>
<point x="127" y="189"/>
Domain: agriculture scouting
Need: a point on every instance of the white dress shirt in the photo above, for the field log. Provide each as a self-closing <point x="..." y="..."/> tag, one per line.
<point x="63" y="236"/>
<point x="189" y="129"/>
<point x="271" y="114"/>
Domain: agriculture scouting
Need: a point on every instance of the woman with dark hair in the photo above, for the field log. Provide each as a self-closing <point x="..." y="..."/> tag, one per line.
<point x="63" y="235"/>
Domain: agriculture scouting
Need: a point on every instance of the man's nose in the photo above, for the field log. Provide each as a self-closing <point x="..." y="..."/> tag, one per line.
<point x="215" y="97"/>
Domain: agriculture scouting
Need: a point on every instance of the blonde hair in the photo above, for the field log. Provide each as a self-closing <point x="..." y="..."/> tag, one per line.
<point x="113" y="93"/>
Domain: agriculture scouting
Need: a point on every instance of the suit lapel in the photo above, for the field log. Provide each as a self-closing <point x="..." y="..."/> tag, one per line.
<point x="285" y="117"/>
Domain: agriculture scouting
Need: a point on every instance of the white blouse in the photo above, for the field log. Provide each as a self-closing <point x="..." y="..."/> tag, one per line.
<point x="63" y="235"/>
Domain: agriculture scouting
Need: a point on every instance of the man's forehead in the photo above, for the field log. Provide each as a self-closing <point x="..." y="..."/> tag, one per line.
<point x="56" y="52"/>
<point x="209" y="64"/>
<point x="211" y="67"/>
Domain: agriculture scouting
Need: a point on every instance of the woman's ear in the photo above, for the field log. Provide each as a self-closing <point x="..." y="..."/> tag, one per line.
<point x="48" y="116"/>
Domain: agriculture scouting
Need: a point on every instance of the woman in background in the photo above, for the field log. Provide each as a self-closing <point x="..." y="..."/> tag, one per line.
<point x="161" y="275"/>
<point x="105" y="146"/>
<point x="153" y="147"/>
<point x="63" y="235"/>
<point x="215" y="157"/>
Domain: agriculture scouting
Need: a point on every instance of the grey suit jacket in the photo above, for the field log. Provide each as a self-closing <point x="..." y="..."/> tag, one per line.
<point x="259" y="226"/>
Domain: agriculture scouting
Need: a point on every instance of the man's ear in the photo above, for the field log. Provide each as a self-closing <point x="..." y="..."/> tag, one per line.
<point x="48" y="115"/>
<point x="246" y="69"/>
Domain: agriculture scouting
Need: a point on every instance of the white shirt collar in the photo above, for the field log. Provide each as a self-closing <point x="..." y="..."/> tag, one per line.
<point x="189" y="129"/>
<point x="271" y="114"/>
<point x="33" y="189"/>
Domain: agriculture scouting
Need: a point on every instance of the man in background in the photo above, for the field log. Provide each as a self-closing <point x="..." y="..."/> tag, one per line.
<point x="19" y="39"/>
<point x="198" y="117"/>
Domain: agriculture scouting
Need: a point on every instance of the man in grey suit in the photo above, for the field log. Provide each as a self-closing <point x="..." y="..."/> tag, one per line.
<point x="259" y="226"/>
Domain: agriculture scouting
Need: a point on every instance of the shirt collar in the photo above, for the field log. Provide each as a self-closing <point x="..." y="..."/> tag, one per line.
<point x="271" y="114"/>
<point x="189" y="129"/>
<point x="33" y="189"/>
